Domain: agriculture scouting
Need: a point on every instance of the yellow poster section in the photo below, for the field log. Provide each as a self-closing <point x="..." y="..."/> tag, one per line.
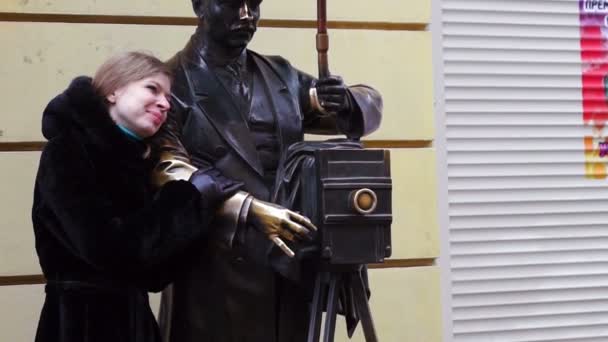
<point x="404" y="303"/>
<point x="397" y="63"/>
<point x="405" y="11"/>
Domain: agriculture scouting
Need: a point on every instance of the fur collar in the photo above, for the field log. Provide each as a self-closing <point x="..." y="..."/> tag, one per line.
<point x="80" y="108"/>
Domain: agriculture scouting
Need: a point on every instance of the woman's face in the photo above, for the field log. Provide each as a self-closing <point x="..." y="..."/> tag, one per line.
<point x="141" y="106"/>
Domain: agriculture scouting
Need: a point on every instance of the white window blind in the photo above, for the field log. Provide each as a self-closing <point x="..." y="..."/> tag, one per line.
<point x="528" y="231"/>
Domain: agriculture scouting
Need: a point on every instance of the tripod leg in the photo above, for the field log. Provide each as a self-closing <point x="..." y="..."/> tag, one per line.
<point x="362" y="304"/>
<point x="332" y="308"/>
<point x="316" y="312"/>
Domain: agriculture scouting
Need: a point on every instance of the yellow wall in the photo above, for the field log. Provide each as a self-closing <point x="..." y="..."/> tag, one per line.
<point x="389" y="49"/>
<point x="404" y="11"/>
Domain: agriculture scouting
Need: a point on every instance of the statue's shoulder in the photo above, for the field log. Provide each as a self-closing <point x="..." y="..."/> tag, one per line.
<point x="180" y="88"/>
<point x="278" y="63"/>
<point x="174" y="62"/>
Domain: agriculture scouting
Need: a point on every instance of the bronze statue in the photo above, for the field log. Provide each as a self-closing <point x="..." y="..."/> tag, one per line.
<point x="238" y="111"/>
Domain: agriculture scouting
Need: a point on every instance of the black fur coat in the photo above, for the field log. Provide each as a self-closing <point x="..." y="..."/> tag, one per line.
<point x="103" y="238"/>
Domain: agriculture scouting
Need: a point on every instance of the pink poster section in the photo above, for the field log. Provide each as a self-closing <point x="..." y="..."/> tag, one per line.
<point x="594" y="58"/>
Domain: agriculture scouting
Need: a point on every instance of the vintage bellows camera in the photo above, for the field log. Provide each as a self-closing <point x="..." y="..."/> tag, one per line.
<point x="347" y="194"/>
<point x="346" y="191"/>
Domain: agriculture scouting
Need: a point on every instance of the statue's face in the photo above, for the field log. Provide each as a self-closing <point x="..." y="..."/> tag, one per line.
<point x="231" y="23"/>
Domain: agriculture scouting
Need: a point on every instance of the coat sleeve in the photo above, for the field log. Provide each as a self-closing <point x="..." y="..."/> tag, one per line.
<point x="363" y="119"/>
<point x="91" y="227"/>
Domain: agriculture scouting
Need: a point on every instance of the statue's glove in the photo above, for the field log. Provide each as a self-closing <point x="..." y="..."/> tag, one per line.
<point x="213" y="186"/>
<point x="279" y="223"/>
<point x="330" y="95"/>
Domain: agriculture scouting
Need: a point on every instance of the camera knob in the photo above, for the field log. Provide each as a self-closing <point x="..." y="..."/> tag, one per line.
<point x="364" y="201"/>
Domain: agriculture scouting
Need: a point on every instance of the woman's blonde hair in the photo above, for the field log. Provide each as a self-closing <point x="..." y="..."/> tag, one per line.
<point x="124" y="68"/>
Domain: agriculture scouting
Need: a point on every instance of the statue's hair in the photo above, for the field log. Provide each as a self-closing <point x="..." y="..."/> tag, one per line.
<point x="124" y="68"/>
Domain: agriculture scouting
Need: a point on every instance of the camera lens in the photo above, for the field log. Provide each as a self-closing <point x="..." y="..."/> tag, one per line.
<point x="364" y="201"/>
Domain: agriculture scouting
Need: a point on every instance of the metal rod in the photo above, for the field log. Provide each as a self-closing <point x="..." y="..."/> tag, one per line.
<point x="365" y="314"/>
<point x="316" y="312"/>
<point x="322" y="38"/>
<point x="332" y="307"/>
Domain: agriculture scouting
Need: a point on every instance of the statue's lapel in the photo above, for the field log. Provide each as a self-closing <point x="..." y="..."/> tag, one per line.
<point x="218" y="105"/>
<point x="284" y="107"/>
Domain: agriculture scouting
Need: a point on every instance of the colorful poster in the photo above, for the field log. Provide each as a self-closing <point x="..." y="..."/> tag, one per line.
<point x="594" y="58"/>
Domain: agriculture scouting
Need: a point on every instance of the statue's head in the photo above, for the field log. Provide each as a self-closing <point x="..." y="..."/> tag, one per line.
<point x="230" y="23"/>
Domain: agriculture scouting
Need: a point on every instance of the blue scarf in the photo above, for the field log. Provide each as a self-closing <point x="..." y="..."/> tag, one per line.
<point x="129" y="133"/>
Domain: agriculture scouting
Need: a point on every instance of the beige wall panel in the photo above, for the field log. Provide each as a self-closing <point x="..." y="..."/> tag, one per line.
<point x="404" y="11"/>
<point x="408" y="11"/>
<point x="415" y="230"/>
<point x="397" y="63"/>
<point x="19" y="312"/>
<point x="405" y="306"/>
<point x="17" y="253"/>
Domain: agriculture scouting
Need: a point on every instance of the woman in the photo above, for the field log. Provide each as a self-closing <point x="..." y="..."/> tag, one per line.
<point x="103" y="238"/>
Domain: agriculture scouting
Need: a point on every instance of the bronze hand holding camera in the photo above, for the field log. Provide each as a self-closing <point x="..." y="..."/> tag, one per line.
<point x="276" y="222"/>
<point x="279" y="223"/>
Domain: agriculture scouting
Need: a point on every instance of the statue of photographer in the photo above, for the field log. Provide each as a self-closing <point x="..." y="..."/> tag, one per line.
<point x="238" y="111"/>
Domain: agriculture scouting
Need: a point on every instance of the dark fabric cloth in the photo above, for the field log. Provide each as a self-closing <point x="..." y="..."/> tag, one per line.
<point x="235" y="295"/>
<point x="103" y="237"/>
<point x="287" y="193"/>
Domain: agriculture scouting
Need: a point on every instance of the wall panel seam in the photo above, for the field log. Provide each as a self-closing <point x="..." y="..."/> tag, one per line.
<point x="187" y="21"/>
<point x="37" y="279"/>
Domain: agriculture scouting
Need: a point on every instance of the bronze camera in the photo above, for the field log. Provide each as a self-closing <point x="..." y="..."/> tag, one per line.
<point x="346" y="191"/>
<point x="347" y="195"/>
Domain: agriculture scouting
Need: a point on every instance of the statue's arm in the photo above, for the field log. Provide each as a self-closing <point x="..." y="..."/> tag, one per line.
<point x="174" y="164"/>
<point x="238" y="211"/>
<point x="167" y="141"/>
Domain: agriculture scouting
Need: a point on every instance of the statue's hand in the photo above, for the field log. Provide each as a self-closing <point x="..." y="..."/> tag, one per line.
<point x="332" y="94"/>
<point x="279" y="223"/>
